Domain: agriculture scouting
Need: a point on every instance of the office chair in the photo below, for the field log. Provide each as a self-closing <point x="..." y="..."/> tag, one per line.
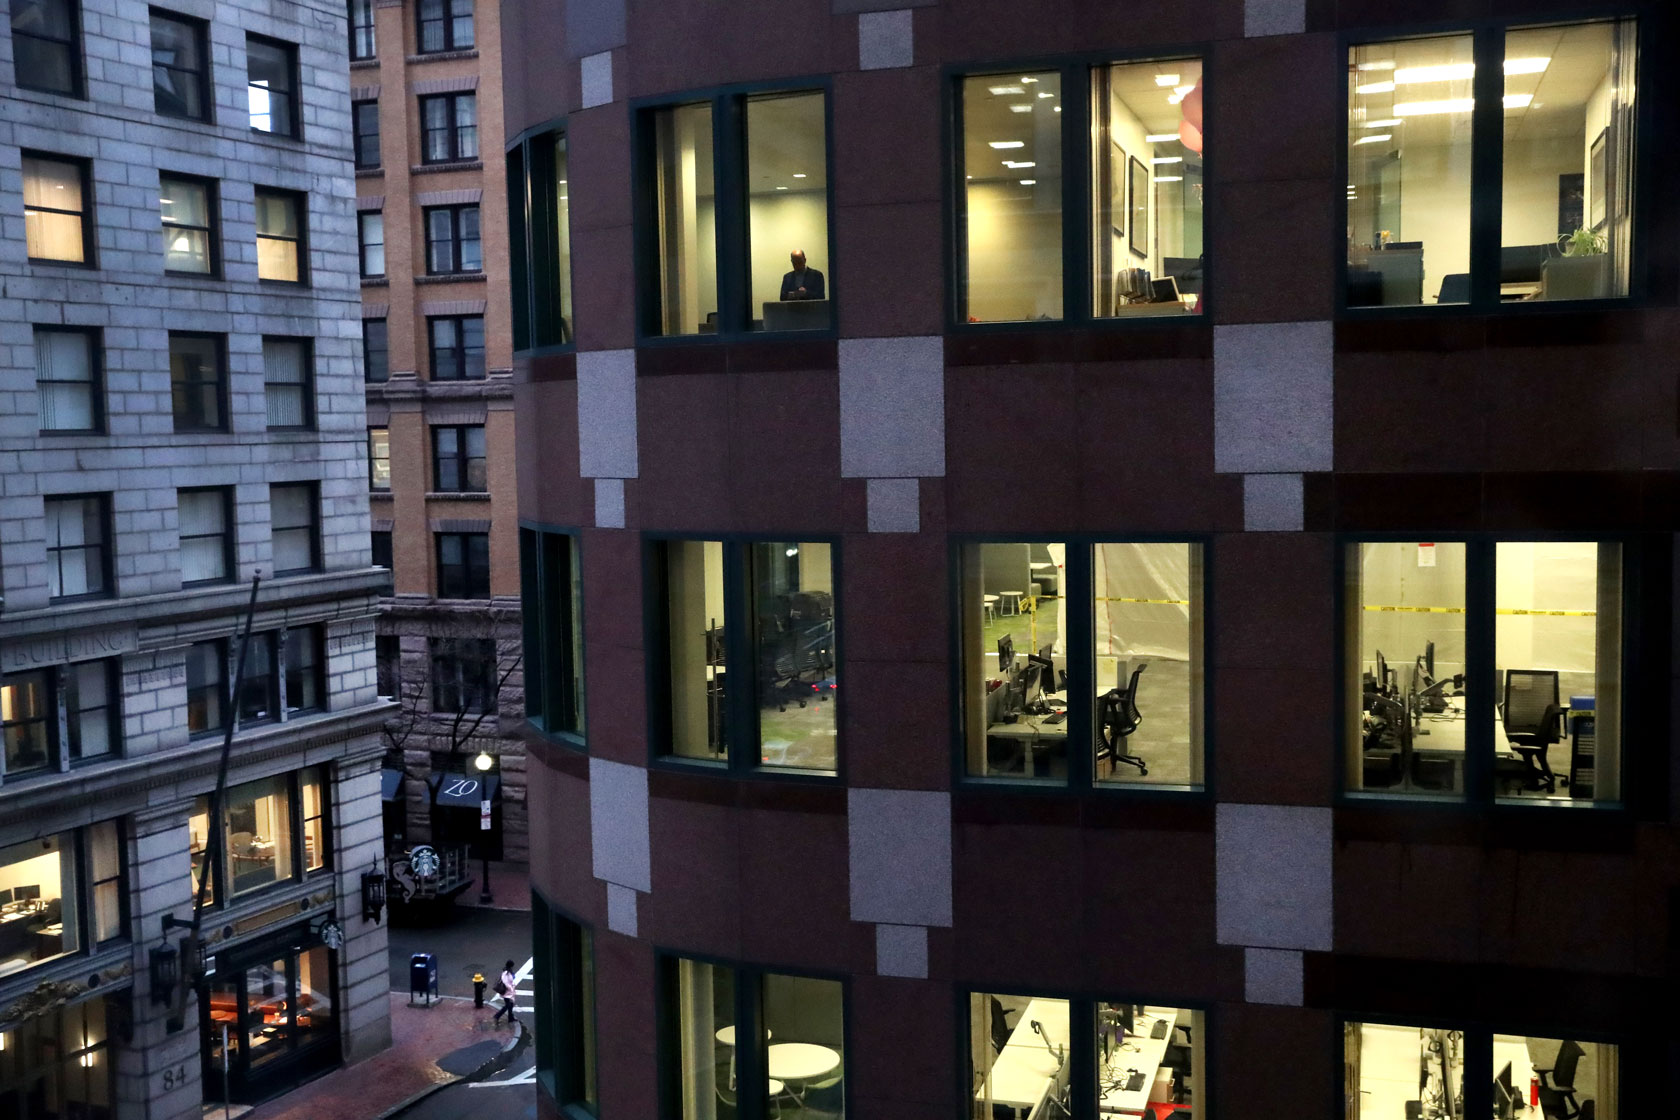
<point x="1118" y="717"/>
<point x="1532" y="716"/>
<point x="1558" y="1083"/>
<point x="1000" y="1026"/>
<point x="1455" y="288"/>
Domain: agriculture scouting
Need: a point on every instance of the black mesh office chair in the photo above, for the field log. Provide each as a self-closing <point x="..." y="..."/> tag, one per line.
<point x="1000" y="1026"/>
<point x="1532" y="717"/>
<point x="1557" y="1083"/>
<point x="1118" y="717"/>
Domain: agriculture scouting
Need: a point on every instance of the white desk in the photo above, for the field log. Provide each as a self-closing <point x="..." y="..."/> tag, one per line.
<point x="1025" y="1068"/>
<point x="1507" y="1048"/>
<point x="1146" y="1059"/>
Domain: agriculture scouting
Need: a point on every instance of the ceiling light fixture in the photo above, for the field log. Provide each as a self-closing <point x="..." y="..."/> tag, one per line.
<point x="1168" y="179"/>
<point x="1518" y="100"/>
<point x="1434" y="108"/>
<point x="799" y="174"/>
<point x="1161" y="137"/>
<point x="1001" y="145"/>
<point x="1449" y="72"/>
<point x="1027" y="81"/>
<point x="1391" y="122"/>
<point x="1028" y="182"/>
<point x="1018" y="164"/>
<point x="1042" y="95"/>
<point x="1165" y="80"/>
<point x="1527" y="65"/>
<point x="1375" y="87"/>
<point x="1167" y="159"/>
<point x="1002" y="91"/>
<point x="1377" y="139"/>
<point x="1377" y="64"/>
<point x="1020" y="108"/>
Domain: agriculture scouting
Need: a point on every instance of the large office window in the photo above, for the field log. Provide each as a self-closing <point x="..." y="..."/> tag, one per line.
<point x="1396" y="1070"/>
<point x="539" y="233"/>
<point x="1554" y="104"/>
<point x="463" y="565"/>
<point x="206" y="531"/>
<point x="294" y="511"/>
<point x="40" y="902"/>
<point x="364" y="119"/>
<point x="791" y="1061"/>
<point x="198" y="381"/>
<point x="30" y="719"/>
<point x="463" y="674"/>
<point x="457" y="347"/>
<point x="258" y="838"/>
<point x="445" y="25"/>
<point x="57" y="224"/>
<point x="188" y="209"/>
<point x="287" y="382"/>
<point x="59" y="717"/>
<point x="1536" y="717"/>
<point x="78" y="547"/>
<point x="1133" y="132"/>
<point x="257" y="699"/>
<point x="453" y="243"/>
<point x="376" y="352"/>
<point x="448" y="127"/>
<point x="379" y="459"/>
<point x="1083" y="662"/>
<point x="91" y="692"/>
<point x="207" y="684"/>
<point x="551" y="592"/>
<point x="61" y="1055"/>
<point x="280" y="236"/>
<point x="271" y="85"/>
<point x="68" y="390"/>
<point x="458" y="462"/>
<point x="564" y="976"/>
<point x="302" y="666"/>
<point x="46" y="53"/>
<point x="1149" y="1058"/>
<point x="180" y="66"/>
<point x="770" y="179"/>
<point x="370" y="239"/>
<point x="750" y="661"/>
<point x="363" y="43"/>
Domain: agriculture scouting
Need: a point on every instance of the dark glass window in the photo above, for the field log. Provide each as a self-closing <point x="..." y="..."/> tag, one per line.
<point x="387" y="652"/>
<point x="57" y="223"/>
<point x="458" y="464"/>
<point x="287" y="382"/>
<point x="280" y="236"/>
<point x="445" y="25"/>
<point x="90" y="701"/>
<point x="448" y="127"/>
<point x="551" y="593"/>
<point x="457" y="345"/>
<point x="180" y="66"/>
<point x="198" y="381"/>
<point x="539" y="231"/>
<point x="564" y="979"/>
<point x="45" y="53"/>
<point x="68" y="389"/>
<point x="365" y="124"/>
<point x="370" y="237"/>
<point x="259" y="687"/>
<point x="207" y="684"/>
<point x="293" y="510"/>
<point x="206" y="533"/>
<point x="463" y="561"/>
<point x="452" y="240"/>
<point x="376" y="352"/>
<point x="303" y="667"/>
<point x="272" y="85"/>
<point x="381" y="548"/>
<point x="78" y="548"/>
<point x="188" y="210"/>
<point x="463" y="674"/>
<point x="362" y="40"/>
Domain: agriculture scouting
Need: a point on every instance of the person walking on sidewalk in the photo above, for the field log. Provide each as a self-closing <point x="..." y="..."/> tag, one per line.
<point x="504" y="988"/>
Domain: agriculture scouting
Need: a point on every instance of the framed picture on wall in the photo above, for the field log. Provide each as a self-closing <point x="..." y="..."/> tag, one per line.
<point x="1140" y="208"/>
<point x="1598" y="177"/>
<point x="1571" y="203"/>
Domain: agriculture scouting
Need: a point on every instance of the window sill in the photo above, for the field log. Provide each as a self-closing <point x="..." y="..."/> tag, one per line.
<point x="379" y="493"/>
<point x="376" y="281"/>
<point x="283" y="285"/>
<point x="284" y="136"/>
<point x="364" y="63"/>
<point x="47" y="262"/>
<point x="1386" y="818"/>
<point x="370" y="172"/>
<point x="447" y="165"/>
<point x="72" y="433"/>
<point x="457" y="495"/>
<point x="451" y="278"/>
<point x="177" y="274"/>
<point x="441" y="56"/>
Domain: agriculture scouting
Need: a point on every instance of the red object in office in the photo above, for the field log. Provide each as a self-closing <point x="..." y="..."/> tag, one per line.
<point x="1533" y="1091"/>
<point x="1190" y="128"/>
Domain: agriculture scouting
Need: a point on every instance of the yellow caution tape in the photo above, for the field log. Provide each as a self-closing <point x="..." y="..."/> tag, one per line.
<point x="1501" y="610"/>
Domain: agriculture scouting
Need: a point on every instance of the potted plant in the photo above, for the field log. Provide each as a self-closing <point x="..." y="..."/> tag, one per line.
<point x="1583" y="272"/>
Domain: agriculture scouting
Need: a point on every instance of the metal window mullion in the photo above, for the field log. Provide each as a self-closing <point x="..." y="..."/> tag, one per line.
<point x="740" y="716"/>
<point x="1076" y="207"/>
<point x="751" y="1061"/>
<point x="1487" y="142"/>
<point x="61" y="706"/>
<point x="1476" y="1049"/>
<point x="1482" y="681"/>
<point x="1081" y="662"/>
<point x="1082" y="1053"/>
<point x="729" y="183"/>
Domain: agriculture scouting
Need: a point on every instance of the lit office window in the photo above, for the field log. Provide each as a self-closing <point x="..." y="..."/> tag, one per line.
<point x="315" y="841"/>
<point x="1553" y="731"/>
<point x="258" y="839"/>
<point x="551" y="589"/>
<point x="1395" y="1070"/>
<point x="56" y="224"/>
<point x="204" y="518"/>
<point x="280" y="236"/>
<point x="1564" y="208"/>
<point x="1146" y="183"/>
<point x="1566" y="222"/>
<point x="686" y="203"/>
<point x="787" y="212"/>
<point x="46" y="54"/>
<point x="759" y="692"/>
<point x="271" y="84"/>
<point x="187" y="214"/>
<point x="39" y="904"/>
<point x="67" y="383"/>
<point x="1121" y="670"/>
<point x="1012" y="186"/>
<point x="379" y="459"/>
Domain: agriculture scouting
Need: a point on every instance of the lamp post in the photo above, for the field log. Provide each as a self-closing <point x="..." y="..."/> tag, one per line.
<point x="484" y="763"/>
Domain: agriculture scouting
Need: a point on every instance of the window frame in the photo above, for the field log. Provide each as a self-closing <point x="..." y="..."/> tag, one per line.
<point x="375" y="549"/>
<point x="553" y="624"/>
<point x="741" y="709"/>
<point x="305" y="384"/>
<point x="221" y="688"/>
<point x="84" y="169"/>
<point x="560" y="1007"/>
<point x="455" y="212"/>
<point x="358" y="136"/>
<point x="300" y="243"/>
<point x="452" y="127"/>
<point x="293" y="93"/>
<point x="540" y="325"/>
<point x="212" y="232"/>
<point x="314" y="491"/>
<point x="229" y="534"/>
<point x="367" y="348"/>
<point x="96" y="378"/>
<point x="459" y="349"/>
<point x="372" y="460"/>
<point x="466" y="566"/>
<point x="107" y="548"/>
<point x="459" y="681"/>
<point x="200" y="31"/>
<point x="1488" y="166"/>
<point x="462" y="459"/>
<point x="450" y="15"/>
<point x="1076" y="72"/>
<point x="111" y="669"/>
<point x="73" y="47"/>
<point x="731" y="226"/>
<point x="371" y="27"/>
<point x="219" y="341"/>
<point x="1646" y="562"/>
<point x="222" y="894"/>
<point x="362" y="244"/>
<point x="1077" y="585"/>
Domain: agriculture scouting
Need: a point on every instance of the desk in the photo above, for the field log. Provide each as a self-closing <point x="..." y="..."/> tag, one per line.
<point x="1026" y="1068"/>
<point x="1515" y="1050"/>
<point x="1038" y="740"/>
<point x="1146" y="1059"/>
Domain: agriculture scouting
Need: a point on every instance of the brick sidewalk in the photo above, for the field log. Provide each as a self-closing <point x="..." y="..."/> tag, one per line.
<point x="419" y="1037"/>
<point x="510" y="887"/>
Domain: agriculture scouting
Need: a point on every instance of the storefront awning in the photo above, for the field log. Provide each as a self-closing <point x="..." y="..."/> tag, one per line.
<point x="390" y="784"/>
<point x="465" y="791"/>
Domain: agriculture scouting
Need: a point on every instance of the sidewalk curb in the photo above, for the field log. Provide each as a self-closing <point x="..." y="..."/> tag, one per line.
<point x="494" y="1063"/>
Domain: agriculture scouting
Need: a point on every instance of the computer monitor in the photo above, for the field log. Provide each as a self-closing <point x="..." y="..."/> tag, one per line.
<point x="1429" y="660"/>
<point x="1504" y="1095"/>
<point x="1026" y="683"/>
<point x="1382" y="673"/>
<point x="28" y="893"/>
<point x="5" y="895"/>
<point x="1045" y="670"/>
<point x="1006" y="653"/>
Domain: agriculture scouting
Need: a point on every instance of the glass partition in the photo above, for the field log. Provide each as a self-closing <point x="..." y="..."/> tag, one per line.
<point x="1395" y="1071"/>
<point x="787" y="212"/>
<point x="797" y="668"/>
<point x="1012" y="227"/>
<point x="686" y="202"/>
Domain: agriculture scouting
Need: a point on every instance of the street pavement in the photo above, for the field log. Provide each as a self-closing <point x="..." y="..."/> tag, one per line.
<point x="472" y="941"/>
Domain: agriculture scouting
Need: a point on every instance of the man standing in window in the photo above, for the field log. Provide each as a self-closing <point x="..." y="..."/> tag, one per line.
<point x="802" y="282"/>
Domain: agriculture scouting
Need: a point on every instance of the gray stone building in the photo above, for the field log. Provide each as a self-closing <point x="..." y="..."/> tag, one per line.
<point x="181" y="409"/>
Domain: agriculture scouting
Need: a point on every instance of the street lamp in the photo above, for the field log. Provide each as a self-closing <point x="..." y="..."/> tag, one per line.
<point x="483" y="763"/>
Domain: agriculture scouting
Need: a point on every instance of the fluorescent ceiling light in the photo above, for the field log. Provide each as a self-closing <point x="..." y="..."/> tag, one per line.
<point x="781" y="188"/>
<point x="1182" y="90"/>
<point x="1377" y="139"/>
<point x="1042" y="95"/>
<point x="1449" y="72"/>
<point x="1378" y="64"/>
<point x="1058" y="108"/>
<point x="1000" y="145"/>
<point x="1527" y="65"/>
<point x="1165" y="80"/>
<point x="1018" y="164"/>
<point x="1167" y="159"/>
<point x="1027" y="81"/>
<point x="1433" y="108"/>
<point x="1375" y="87"/>
<point x="1161" y="137"/>
<point x="1020" y="108"/>
<point x="1168" y="179"/>
<point x="799" y="174"/>
<point x="1174" y="98"/>
<point x="1518" y="100"/>
<point x="1028" y="182"/>
<point x="1392" y="121"/>
<point x="999" y="91"/>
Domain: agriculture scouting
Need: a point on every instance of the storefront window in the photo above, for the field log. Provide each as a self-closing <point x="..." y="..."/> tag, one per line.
<point x="268" y="1011"/>
<point x="276" y="1000"/>
<point x="315" y="1018"/>
<point x="39" y="918"/>
<point x="259" y="834"/>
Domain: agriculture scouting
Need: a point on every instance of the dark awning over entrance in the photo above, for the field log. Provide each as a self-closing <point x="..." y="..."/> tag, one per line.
<point x="465" y="791"/>
<point x="390" y="784"/>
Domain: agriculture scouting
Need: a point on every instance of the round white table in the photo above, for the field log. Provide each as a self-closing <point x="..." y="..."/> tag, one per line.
<point x="726" y="1035"/>
<point x="800" y="1061"/>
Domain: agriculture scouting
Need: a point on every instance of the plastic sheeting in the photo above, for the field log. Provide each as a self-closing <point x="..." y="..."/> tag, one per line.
<point x="1142" y="604"/>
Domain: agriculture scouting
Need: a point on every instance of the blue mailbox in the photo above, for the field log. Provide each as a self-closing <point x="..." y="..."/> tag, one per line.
<point x="423" y="977"/>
